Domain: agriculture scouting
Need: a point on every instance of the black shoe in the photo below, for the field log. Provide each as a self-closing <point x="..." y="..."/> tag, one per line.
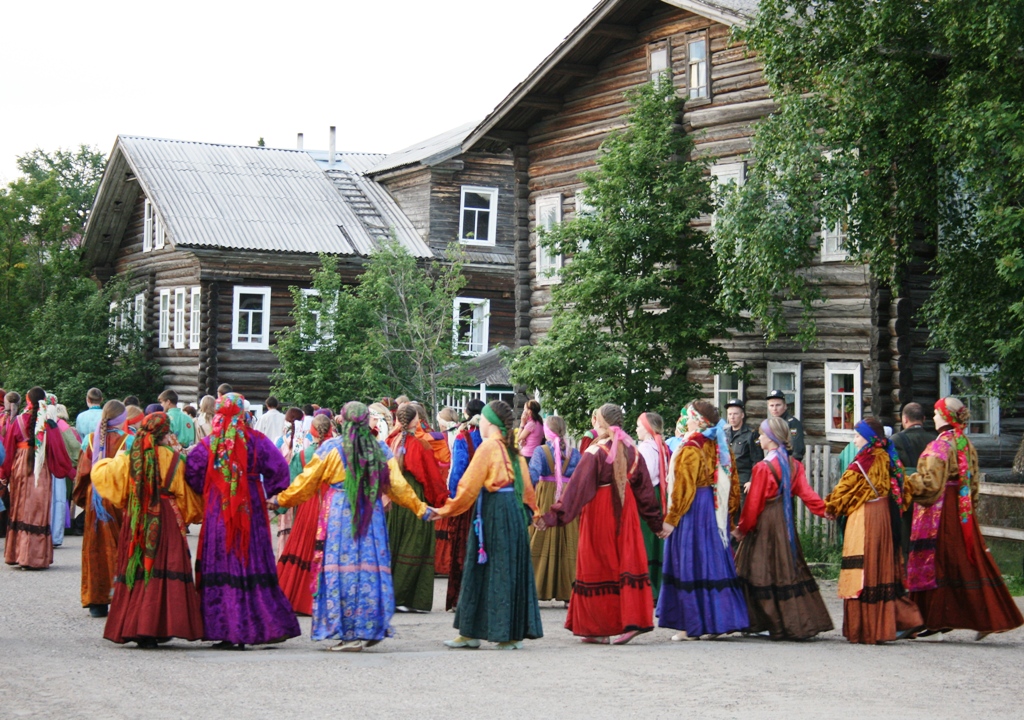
<point x="98" y="611"/>
<point x="146" y="643"/>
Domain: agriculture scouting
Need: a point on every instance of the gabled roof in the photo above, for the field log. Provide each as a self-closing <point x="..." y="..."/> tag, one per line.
<point x="607" y="25"/>
<point x="427" y="152"/>
<point x="234" y="197"/>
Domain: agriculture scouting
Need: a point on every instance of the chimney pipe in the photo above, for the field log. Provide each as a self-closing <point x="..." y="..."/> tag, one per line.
<point x="299" y="142"/>
<point x="330" y="157"/>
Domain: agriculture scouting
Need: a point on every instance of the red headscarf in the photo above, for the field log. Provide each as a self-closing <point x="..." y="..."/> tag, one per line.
<point x="228" y="471"/>
<point x="958" y="420"/>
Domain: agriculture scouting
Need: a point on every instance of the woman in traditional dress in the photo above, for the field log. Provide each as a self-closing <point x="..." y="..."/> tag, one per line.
<point x="102" y="519"/>
<point x="701" y="595"/>
<point x="34" y="455"/>
<point x="291" y="444"/>
<point x="155" y="598"/>
<point x="554" y="551"/>
<point x="466" y="442"/>
<point x="610" y="491"/>
<point x="448" y="427"/>
<point x="354" y="597"/>
<point x="951" y="574"/>
<point x="63" y="488"/>
<point x="294" y="567"/>
<point x="782" y="596"/>
<point x="231" y="468"/>
<point x="498" y="598"/>
<point x="12" y="401"/>
<point x="876" y="607"/>
<point x="413" y="542"/>
<point x="649" y="429"/>
<point x="590" y="435"/>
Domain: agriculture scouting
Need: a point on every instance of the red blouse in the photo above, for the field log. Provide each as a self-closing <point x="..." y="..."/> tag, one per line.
<point x="763" y="488"/>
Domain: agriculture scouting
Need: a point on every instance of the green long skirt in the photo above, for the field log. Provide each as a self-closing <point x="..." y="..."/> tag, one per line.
<point x="655" y="550"/>
<point x="498" y="601"/>
<point x="412" y="554"/>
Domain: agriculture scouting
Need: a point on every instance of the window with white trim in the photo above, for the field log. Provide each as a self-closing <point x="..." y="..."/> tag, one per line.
<point x="140" y="311"/>
<point x="478" y="215"/>
<point x="250" y="318"/>
<point x="164" y="335"/>
<point x="659" y="60"/>
<point x="549" y="214"/>
<point x="833" y="242"/>
<point x="194" y="320"/>
<point x="843" y="399"/>
<point x="583" y="209"/>
<point x="728" y="386"/>
<point x="787" y="377"/>
<point x="470" y="325"/>
<point x="697" y="66"/>
<point x="159" y="234"/>
<point x="726" y="176"/>
<point x="967" y="387"/>
<point x="147" y="225"/>
<point x="179" y="317"/>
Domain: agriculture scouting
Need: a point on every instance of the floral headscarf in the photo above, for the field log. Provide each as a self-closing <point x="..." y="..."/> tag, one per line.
<point x="47" y="411"/>
<point x="367" y="473"/>
<point x="228" y="470"/>
<point x="958" y="420"/>
<point x="143" y="514"/>
<point x="896" y="473"/>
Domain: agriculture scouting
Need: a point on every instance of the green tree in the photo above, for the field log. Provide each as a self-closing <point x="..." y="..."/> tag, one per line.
<point x="637" y="301"/>
<point x="902" y="121"/>
<point x="325" y="355"/>
<point x="42" y="217"/>
<point x="410" y="306"/>
<point x="83" y="337"/>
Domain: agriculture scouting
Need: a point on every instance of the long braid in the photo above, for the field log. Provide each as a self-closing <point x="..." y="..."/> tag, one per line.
<point x="406" y="417"/>
<point x="35" y="397"/>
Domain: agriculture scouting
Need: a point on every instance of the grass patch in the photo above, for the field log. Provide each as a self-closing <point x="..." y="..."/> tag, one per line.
<point x="823" y="554"/>
<point x="1015" y="584"/>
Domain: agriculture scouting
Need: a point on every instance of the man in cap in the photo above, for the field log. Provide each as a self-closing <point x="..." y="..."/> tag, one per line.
<point x="742" y="440"/>
<point x="778" y="407"/>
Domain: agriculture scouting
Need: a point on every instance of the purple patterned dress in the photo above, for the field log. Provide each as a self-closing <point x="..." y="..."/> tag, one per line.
<point x="242" y="603"/>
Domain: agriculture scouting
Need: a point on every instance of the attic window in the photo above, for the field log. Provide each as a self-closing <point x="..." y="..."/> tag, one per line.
<point x="697" y="65"/>
<point x="659" y="59"/>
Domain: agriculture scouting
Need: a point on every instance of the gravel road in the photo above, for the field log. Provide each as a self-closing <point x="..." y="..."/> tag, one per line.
<point x="54" y="663"/>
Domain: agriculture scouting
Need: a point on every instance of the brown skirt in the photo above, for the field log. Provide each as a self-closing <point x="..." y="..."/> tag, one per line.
<point x="782" y="596"/>
<point x="553" y="551"/>
<point x="882" y="607"/>
<point x="99" y="552"/>
<point x="168" y="605"/>
<point x="968" y="596"/>
<point x="458" y="535"/>
<point x="29" y="540"/>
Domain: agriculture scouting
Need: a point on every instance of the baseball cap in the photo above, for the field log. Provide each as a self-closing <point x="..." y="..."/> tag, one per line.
<point x="776" y="395"/>
<point x="737" y="403"/>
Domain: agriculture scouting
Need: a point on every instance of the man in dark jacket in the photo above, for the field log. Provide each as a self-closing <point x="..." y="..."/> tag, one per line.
<point x="743" y="440"/>
<point x="777" y="406"/>
<point x="910" y="442"/>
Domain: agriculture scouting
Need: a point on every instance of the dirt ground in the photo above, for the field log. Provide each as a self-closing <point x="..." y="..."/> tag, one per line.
<point x="54" y="663"/>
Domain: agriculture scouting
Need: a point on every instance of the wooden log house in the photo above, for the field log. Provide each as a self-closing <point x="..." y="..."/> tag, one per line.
<point x="872" y="355"/>
<point x="214" y="236"/>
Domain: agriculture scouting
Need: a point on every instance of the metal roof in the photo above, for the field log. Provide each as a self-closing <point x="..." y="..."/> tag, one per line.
<point x="358" y="162"/>
<point x="253" y="198"/>
<point x="428" y="152"/>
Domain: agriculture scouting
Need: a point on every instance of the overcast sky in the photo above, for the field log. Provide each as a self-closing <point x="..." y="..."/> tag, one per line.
<point x="387" y="74"/>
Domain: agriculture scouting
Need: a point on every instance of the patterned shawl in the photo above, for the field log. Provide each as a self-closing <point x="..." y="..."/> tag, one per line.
<point x="228" y="471"/>
<point x="785" y="483"/>
<point x="47" y="411"/>
<point x="143" y="514"/>
<point x="368" y="475"/>
<point x="958" y="423"/>
<point x="896" y="473"/>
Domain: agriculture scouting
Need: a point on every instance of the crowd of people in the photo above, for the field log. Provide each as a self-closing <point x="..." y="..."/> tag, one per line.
<point x="348" y="517"/>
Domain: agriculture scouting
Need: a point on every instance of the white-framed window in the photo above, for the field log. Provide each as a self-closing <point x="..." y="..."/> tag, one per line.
<point x="159" y="234"/>
<point x="140" y="311"/>
<point x="147" y="225"/>
<point x="164" y="335"/>
<point x="659" y="59"/>
<point x="697" y="66"/>
<point x="478" y="215"/>
<point x="470" y="325"/>
<point x="728" y="386"/>
<point x="250" y="318"/>
<point x="787" y="377"/>
<point x="723" y="176"/>
<point x="968" y="389"/>
<point x="179" y="317"/>
<point x="549" y="214"/>
<point x="843" y="399"/>
<point x="194" y="321"/>
<point x="583" y="209"/>
<point x="833" y="242"/>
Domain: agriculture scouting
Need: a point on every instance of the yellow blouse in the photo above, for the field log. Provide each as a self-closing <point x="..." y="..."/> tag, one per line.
<point x="696" y="468"/>
<point x="852" y="491"/>
<point x="330" y="470"/>
<point x="490" y="468"/>
<point x="112" y="480"/>
<point x="926" y="486"/>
